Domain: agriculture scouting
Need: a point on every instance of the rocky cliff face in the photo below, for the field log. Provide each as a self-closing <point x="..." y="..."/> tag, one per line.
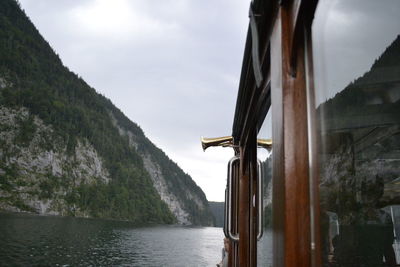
<point x="44" y="177"/>
<point x="37" y="177"/>
<point x="360" y="138"/>
<point x="163" y="186"/>
<point x="65" y="149"/>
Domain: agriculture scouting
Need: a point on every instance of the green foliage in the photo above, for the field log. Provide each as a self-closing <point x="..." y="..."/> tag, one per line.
<point x="7" y="178"/>
<point x="117" y="201"/>
<point x="48" y="186"/>
<point x="21" y="205"/>
<point x="27" y="131"/>
<point x="180" y="183"/>
<point x="60" y="98"/>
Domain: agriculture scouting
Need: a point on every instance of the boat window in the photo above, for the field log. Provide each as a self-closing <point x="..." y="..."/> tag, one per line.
<point x="264" y="244"/>
<point x="356" y="50"/>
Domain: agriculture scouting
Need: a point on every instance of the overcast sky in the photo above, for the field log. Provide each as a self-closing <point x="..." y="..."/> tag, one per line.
<point x="348" y="37"/>
<point x="172" y="66"/>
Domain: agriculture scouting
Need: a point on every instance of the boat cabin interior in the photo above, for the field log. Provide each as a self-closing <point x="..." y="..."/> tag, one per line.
<point x="315" y="177"/>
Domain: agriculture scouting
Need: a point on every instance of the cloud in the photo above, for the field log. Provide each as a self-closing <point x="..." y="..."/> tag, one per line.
<point x="348" y="37"/>
<point x="208" y="167"/>
<point x="120" y="20"/>
<point x="172" y="66"/>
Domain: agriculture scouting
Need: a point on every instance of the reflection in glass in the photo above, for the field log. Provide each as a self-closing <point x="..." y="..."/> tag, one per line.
<point x="357" y="79"/>
<point x="264" y="245"/>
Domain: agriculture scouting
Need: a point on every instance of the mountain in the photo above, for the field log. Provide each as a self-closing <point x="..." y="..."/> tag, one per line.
<point x="360" y="135"/>
<point x="65" y="149"/>
<point x="217" y="209"/>
<point x="373" y="98"/>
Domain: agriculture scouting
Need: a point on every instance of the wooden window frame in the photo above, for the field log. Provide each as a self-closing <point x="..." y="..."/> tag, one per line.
<point x="284" y="29"/>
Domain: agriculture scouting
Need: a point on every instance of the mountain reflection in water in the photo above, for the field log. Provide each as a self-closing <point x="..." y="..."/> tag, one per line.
<point x="61" y="241"/>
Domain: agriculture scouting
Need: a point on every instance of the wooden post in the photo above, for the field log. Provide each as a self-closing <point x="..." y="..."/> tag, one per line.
<point x="291" y="210"/>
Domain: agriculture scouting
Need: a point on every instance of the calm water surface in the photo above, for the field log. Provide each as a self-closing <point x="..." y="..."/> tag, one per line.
<point x="29" y="240"/>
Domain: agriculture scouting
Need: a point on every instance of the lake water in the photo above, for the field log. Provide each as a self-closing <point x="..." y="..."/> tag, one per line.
<point x="30" y="240"/>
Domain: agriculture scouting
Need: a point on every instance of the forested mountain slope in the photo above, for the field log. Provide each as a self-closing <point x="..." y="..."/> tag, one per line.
<point x="374" y="96"/>
<point x="217" y="209"/>
<point x="65" y="149"/>
<point x="360" y="135"/>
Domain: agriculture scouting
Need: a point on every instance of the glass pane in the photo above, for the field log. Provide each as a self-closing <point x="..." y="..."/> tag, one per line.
<point x="264" y="245"/>
<point x="357" y="80"/>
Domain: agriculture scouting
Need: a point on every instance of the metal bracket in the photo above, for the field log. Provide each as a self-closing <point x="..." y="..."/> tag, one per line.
<point x="260" y="200"/>
<point x="228" y="202"/>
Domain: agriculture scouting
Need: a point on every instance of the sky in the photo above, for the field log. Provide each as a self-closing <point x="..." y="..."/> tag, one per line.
<point x="348" y="36"/>
<point x="171" y="66"/>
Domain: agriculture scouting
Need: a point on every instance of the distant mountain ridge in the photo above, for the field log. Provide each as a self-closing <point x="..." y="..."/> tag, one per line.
<point x="360" y="134"/>
<point x="65" y="149"/>
<point x="217" y="209"/>
<point x="375" y="95"/>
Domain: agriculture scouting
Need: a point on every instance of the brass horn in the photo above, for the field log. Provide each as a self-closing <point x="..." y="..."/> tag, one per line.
<point x="218" y="141"/>
<point x="227" y="141"/>
<point x="265" y="143"/>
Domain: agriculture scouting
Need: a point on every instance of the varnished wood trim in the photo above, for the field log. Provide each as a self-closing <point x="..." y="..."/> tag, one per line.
<point x="297" y="217"/>
<point x="278" y="181"/>
<point x="291" y="187"/>
<point x="290" y="159"/>
<point x="244" y="212"/>
<point x="301" y="12"/>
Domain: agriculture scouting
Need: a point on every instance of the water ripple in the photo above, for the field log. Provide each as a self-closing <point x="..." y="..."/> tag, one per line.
<point x="60" y="241"/>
